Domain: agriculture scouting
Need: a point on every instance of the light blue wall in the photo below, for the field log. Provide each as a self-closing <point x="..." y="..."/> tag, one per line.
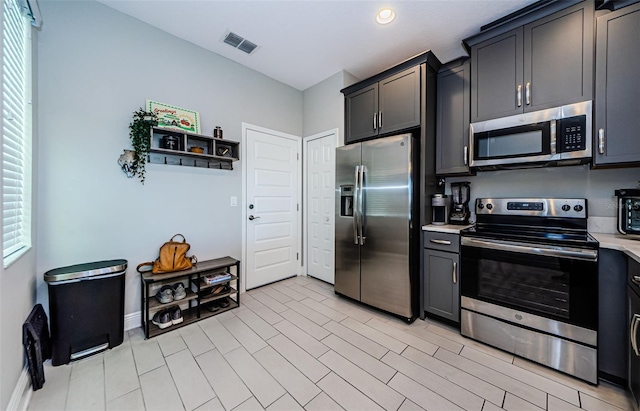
<point x="96" y="67"/>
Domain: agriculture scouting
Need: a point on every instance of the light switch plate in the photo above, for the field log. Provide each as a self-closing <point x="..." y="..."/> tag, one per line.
<point x="234" y="201"/>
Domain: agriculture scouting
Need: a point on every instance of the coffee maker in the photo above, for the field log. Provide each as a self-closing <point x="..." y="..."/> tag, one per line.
<point x="460" y="195"/>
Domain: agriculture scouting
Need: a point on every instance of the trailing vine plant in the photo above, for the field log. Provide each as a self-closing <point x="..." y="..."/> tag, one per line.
<point x="140" y="134"/>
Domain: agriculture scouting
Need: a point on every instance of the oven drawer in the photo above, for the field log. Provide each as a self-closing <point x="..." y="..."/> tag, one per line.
<point x="442" y="241"/>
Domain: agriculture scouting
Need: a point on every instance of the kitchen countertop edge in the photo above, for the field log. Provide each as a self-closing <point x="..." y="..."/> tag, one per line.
<point x="618" y="242"/>
<point x="447" y="228"/>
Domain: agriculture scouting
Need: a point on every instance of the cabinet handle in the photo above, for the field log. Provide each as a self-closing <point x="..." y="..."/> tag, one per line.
<point x="601" y="141"/>
<point x="466" y="155"/>
<point x="636" y="279"/>
<point x="375" y="121"/>
<point x="455" y="274"/>
<point x="519" y="95"/>
<point x="633" y="336"/>
<point x="443" y="242"/>
<point x="527" y="93"/>
<point x="380" y="119"/>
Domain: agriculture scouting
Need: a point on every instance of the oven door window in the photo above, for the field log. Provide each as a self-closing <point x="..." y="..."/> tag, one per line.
<point x="520" y="141"/>
<point x="552" y="287"/>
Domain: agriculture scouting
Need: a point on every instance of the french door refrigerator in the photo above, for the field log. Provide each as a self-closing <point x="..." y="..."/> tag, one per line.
<point x="377" y="223"/>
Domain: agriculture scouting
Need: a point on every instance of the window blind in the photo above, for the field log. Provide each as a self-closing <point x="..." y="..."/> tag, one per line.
<point x="16" y="130"/>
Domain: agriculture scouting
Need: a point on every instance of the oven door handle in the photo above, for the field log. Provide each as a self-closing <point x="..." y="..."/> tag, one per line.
<point x="528" y="248"/>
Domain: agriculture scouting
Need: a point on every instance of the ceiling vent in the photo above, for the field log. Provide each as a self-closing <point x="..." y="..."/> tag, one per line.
<point x="239" y="42"/>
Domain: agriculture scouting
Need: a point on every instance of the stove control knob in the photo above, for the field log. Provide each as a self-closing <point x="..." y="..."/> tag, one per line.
<point x="480" y="206"/>
<point x="489" y="206"/>
<point x="566" y="207"/>
<point x="578" y="208"/>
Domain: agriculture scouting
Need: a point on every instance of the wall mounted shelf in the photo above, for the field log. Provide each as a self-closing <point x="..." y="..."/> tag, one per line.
<point x="175" y="147"/>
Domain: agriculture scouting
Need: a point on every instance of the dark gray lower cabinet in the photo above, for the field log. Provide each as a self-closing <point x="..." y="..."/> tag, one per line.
<point x="441" y="276"/>
<point x="617" y="88"/>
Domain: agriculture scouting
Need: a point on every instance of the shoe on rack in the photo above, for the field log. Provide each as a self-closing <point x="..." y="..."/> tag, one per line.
<point x="213" y="306"/>
<point x="179" y="292"/>
<point x="165" y="294"/>
<point x="224" y="302"/>
<point x="176" y="315"/>
<point x="162" y="319"/>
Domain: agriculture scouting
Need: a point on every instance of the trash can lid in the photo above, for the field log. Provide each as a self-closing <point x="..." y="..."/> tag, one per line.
<point x="85" y="270"/>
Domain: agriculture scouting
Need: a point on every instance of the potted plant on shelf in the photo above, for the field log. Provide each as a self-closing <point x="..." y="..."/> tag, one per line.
<point x="140" y="134"/>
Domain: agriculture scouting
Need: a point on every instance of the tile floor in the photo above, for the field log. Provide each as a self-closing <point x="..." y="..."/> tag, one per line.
<point x="295" y="345"/>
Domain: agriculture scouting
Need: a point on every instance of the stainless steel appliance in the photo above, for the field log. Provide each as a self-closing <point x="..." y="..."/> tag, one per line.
<point x="529" y="282"/>
<point x="460" y="194"/>
<point x="556" y="136"/>
<point x="629" y="212"/>
<point x="633" y="306"/>
<point x="377" y="228"/>
<point x="440" y="209"/>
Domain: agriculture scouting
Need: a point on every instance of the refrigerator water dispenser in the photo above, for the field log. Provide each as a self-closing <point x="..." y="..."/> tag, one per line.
<point x="346" y="201"/>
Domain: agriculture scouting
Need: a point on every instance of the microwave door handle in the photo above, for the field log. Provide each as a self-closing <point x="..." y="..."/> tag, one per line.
<point x="362" y="212"/>
<point x="621" y="214"/>
<point x="553" y="128"/>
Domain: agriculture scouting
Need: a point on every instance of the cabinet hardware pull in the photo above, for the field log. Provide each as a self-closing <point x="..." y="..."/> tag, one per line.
<point x="455" y="274"/>
<point x="375" y="121"/>
<point x="443" y="242"/>
<point x="519" y="95"/>
<point x="634" y="336"/>
<point x="636" y="279"/>
<point x="527" y="93"/>
<point x="466" y="155"/>
<point x="380" y="119"/>
<point x="601" y="141"/>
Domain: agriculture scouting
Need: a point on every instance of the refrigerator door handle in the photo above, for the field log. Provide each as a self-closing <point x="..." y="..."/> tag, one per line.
<point x="361" y="212"/>
<point x="356" y="222"/>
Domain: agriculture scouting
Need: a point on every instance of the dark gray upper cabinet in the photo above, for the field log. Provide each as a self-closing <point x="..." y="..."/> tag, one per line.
<point x="452" y="132"/>
<point x="399" y="104"/>
<point x="392" y="104"/>
<point x="362" y="114"/>
<point x="542" y="64"/>
<point x="617" y="118"/>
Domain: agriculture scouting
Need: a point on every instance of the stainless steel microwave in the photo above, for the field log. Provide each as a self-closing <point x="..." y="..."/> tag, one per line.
<point x="556" y="136"/>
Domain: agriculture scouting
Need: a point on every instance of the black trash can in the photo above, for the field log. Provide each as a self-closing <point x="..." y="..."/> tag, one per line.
<point x="86" y="309"/>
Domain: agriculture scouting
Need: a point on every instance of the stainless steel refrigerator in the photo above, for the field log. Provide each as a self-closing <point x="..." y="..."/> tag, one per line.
<point x="377" y="233"/>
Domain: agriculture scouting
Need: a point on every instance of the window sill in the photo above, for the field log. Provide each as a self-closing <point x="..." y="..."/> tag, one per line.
<point x="8" y="261"/>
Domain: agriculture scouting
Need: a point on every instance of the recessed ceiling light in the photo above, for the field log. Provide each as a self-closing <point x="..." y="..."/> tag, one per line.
<point x="385" y="16"/>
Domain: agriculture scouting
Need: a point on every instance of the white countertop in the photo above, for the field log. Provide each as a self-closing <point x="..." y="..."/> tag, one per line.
<point x="620" y="243"/>
<point x="447" y="228"/>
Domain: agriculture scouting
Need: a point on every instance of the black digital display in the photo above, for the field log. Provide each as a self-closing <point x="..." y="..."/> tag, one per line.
<point x="572" y="133"/>
<point x="516" y="205"/>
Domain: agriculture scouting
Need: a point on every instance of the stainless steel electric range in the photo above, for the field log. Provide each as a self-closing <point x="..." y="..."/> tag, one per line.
<point x="529" y="282"/>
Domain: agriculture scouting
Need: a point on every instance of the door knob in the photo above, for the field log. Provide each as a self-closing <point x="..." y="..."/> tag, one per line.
<point x="251" y="217"/>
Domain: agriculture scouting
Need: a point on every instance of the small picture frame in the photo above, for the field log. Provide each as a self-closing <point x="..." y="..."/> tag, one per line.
<point x="175" y="118"/>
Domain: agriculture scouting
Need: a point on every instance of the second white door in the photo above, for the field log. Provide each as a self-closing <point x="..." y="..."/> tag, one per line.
<point x="272" y="206"/>
<point x="321" y="175"/>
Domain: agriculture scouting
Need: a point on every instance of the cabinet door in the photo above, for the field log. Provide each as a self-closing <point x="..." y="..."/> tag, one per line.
<point x="633" y="309"/>
<point x="362" y="114"/>
<point x="452" y="135"/>
<point x="400" y="101"/>
<point x="558" y="58"/>
<point x="441" y="284"/>
<point x="617" y="87"/>
<point x="496" y="74"/>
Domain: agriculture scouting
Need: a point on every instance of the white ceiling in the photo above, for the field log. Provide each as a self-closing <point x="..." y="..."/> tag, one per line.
<point x="303" y="42"/>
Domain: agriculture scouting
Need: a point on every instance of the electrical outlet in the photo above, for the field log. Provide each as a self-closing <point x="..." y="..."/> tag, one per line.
<point x="234" y="201"/>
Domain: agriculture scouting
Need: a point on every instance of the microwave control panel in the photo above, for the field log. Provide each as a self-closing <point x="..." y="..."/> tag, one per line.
<point x="572" y="134"/>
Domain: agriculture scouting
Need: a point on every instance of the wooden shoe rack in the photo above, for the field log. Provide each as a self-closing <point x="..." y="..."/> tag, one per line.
<point x="199" y="295"/>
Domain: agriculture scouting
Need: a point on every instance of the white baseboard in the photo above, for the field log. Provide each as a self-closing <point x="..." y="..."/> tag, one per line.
<point x="132" y="320"/>
<point x="21" y="395"/>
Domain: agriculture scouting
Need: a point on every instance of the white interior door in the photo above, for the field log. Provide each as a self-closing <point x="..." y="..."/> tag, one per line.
<point x="320" y="166"/>
<point x="272" y="201"/>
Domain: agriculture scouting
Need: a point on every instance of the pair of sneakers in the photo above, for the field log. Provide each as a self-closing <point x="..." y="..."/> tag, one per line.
<point x="169" y="293"/>
<point x="216" y="305"/>
<point x="166" y="318"/>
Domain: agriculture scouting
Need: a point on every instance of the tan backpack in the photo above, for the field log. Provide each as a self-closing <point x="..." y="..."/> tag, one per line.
<point x="173" y="257"/>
